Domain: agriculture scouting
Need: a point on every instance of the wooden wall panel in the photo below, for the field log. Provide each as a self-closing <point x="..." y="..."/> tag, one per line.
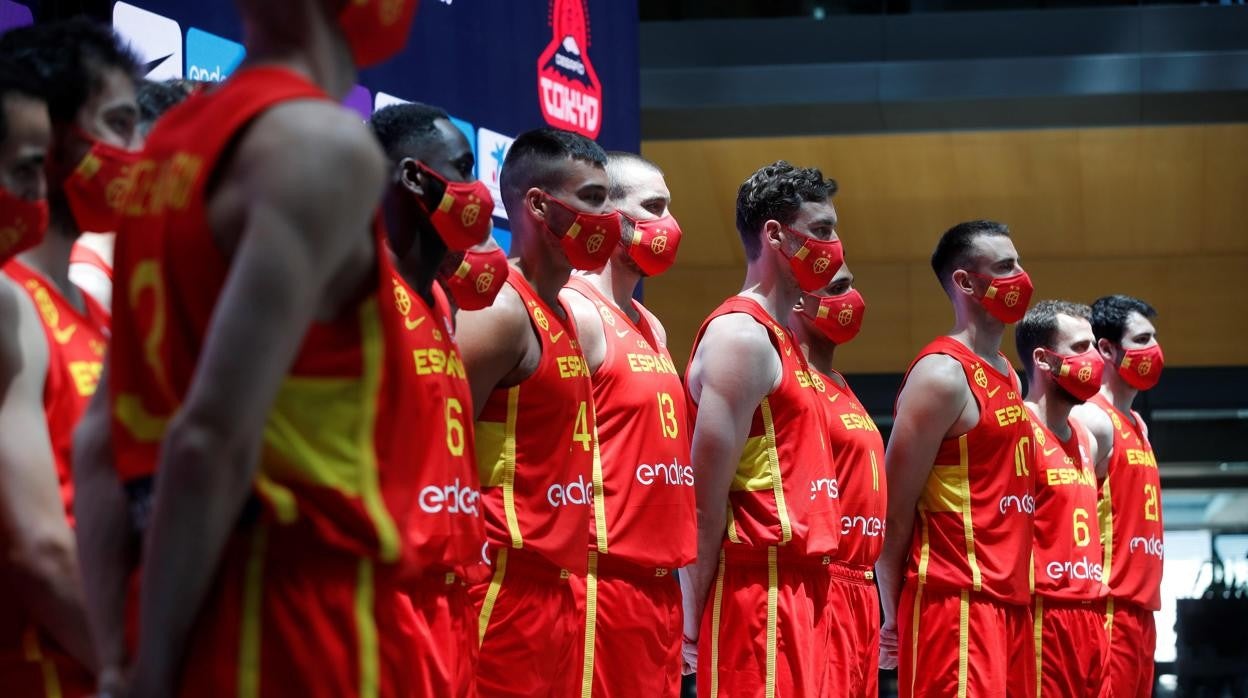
<point x="1158" y="212"/>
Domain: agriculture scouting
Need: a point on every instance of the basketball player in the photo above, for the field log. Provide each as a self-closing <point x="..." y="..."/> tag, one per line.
<point x="42" y="604"/>
<point x="536" y="438"/>
<point x="755" y="600"/>
<point x="254" y="375"/>
<point x="1064" y="369"/>
<point x="647" y="513"/>
<point x="1130" y="505"/>
<point x="823" y="321"/>
<point x="473" y="278"/>
<point x="959" y="489"/>
<point x="434" y="204"/>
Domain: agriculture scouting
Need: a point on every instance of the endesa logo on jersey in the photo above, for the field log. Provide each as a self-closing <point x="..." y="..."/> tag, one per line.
<point x="453" y="498"/>
<point x="568" y="88"/>
<point x="1082" y="569"/>
<point x="576" y="492"/>
<point x="211" y="58"/>
<point x="156" y="39"/>
<point x="670" y="474"/>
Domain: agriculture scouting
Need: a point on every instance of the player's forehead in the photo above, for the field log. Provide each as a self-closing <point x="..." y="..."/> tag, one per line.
<point x="815" y="214"/>
<point x="1137" y="324"/>
<point x="1072" y="329"/>
<point x="993" y="249"/>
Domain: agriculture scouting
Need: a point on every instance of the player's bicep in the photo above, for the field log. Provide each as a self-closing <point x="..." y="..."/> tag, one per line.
<point x="492" y="342"/>
<point x="589" y="329"/>
<point x="934" y="396"/>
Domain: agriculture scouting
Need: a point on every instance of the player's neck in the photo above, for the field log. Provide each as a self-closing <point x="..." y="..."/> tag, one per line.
<point x="1119" y="394"/>
<point x="545" y="275"/>
<point x="617" y="283"/>
<point x="979" y="331"/>
<point x="318" y="52"/>
<point x="819" y="353"/>
<point x="50" y="258"/>
<point x="770" y="289"/>
<point x="1054" y="412"/>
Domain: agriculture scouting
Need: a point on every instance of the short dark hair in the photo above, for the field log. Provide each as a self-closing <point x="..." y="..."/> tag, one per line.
<point x="1038" y="328"/>
<point x="537" y="157"/>
<point x="156" y="98"/>
<point x="65" y="57"/>
<point x="1110" y="314"/>
<point x="14" y="81"/>
<point x="776" y="192"/>
<point x="955" y="248"/>
<point x="401" y="127"/>
<point x="616" y="189"/>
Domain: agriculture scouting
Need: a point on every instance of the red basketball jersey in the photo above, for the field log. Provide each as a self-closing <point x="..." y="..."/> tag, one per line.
<point x="319" y="473"/>
<point x="858" y="451"/>
<point x="643" y="435"/>
<point x="782" y="492"/>
<point x="975" y="514"/>
<point x="1130" y="513"/>
<point x="76" y="343"/>
<point x="537" y="449"/>
<point x="1067" y="546"/>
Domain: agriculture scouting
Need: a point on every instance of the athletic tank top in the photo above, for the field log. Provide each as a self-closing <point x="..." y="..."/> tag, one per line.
<point x="1067" y="545"/>
<point x="443" y="529"/>
<point x="975" y="513"/>
<point x="1130" y="513"/>
<point x="319" y="471"/>
<point x="782" y="492"/>
<point x="643" y="434"/>
<point x="76" y="344"/>
<point x="537" y="450"/>
<point x="858" y="451"/>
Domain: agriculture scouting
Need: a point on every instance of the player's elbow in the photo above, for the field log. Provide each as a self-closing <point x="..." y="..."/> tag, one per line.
<point x="205" y="456"/>
<point x="43" y="554"/>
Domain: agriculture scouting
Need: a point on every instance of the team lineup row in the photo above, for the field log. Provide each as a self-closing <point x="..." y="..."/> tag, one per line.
<point x="320" y="436"/>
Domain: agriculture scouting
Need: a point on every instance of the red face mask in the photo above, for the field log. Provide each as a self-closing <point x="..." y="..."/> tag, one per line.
<point x="462" y="217"/>
<point x="478" y="279"/>
<point x="97" y="188"/>
<point x="815" y="262"/>
<point x="22" y="224"/>
<point x="1141" y="368"/>
<point x="376" y="29"/>
<point x="1007" y="297"/>
<point x="839" y="318"/>
<point x="591" y="238"/>
<point x="654" y="243"/>
<point x="1080" y="374"/>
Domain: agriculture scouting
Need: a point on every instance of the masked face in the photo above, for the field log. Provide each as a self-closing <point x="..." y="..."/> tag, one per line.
<point x="1141" y="368"/>
<point x="462" y="216"/>
<point x="376" y="30"/>
<point x="23" y="224"/>
<point x="476" y="281"/>
<point x="653" y="243"/>
<point x="839" y="318"/>
<point x="815" y="262"/>
<point x="591" y="237"/>
<point x="96" y="190"/>
<point x="1006" y="298"/>
<point x="1078" y="374"/>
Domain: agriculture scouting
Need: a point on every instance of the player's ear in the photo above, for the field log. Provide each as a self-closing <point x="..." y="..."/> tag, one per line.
<point x="772" y="234"/>
<point x="1038" y="358"/>
<point x="410" y="176"/>
<point x="535" y="203"/>
<point x="962" y="282"/>
<point x="1106" y="348"/>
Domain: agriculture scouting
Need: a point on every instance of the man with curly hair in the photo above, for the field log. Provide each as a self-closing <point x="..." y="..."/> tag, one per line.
<point x="768" y="517"/>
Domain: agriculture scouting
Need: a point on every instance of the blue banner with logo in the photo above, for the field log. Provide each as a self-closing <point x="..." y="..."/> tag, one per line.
<point x="498" y="67"/>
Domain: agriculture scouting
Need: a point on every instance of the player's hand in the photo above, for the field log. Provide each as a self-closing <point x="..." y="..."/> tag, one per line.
<point x="888" y="646"/>
<point x="688" y="656"/>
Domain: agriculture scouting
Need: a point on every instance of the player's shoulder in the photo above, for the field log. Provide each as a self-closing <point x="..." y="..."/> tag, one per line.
<point x="1092" y="416"/>
<point x="23" y="343"/>
<point x="737" y="332"/>
<point x="938" y="373"/>
<point x="315" y="131"/>
<point x="506" y="316"/>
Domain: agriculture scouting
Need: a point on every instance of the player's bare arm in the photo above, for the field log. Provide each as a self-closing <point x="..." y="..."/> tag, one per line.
<point x="38" y="541"/>
<point x="302" y="213"/>
<point x="589" y="330"/>
<point x="735" y="367"/>
<point x="935" y="403"/>
<point x="1102" y="429"/>
<point x="498" y="345"/>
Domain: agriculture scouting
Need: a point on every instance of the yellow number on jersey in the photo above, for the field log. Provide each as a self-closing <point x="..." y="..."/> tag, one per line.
<point x="1083" y="535"/>
<point x="454" y="426"/>
<point x="667" y="416"/>
<point x="1150" y="503"/>
<point x="580" y="432"/>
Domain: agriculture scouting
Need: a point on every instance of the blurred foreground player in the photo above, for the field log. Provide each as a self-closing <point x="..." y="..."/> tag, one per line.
<point x="252" y="384"/>
<point x="647" y="514"/>
<point x="1132" y="531"/>
<point x="756" y="598"/>
<point x="1064" y="369"/>
<point x="955" y="569"/>
<point x="823" y="321"/>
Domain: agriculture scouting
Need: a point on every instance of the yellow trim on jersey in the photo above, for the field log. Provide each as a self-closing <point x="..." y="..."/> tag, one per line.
<point x="509" y="467"/>
<point x="717" y="605"/>
<point x="732" y="526"/>
<point x="1037" y="635"/>
<point x="777" y="482"/>
<point x="366" y="630"/>
<point x="600" y="495"/>
<point x="491" y="594"/>
<point x="968" y="523"/>
<point x="252" y="620"/>
<point x="754" y="467"/>
<point x="1105" y="513"/>
<point x="925" y="546"/>
<point x="1109" y="621"/>
<point x="33" y="651"/>
<point x="591" y="621"/>
<point x="914" y="636"/>
<point x="964" y="641"/>
<point x="373" y="351"/>
<point x="280" y="498"/>
<point x="944" y="488"/>
<point x="773" y="602"/>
